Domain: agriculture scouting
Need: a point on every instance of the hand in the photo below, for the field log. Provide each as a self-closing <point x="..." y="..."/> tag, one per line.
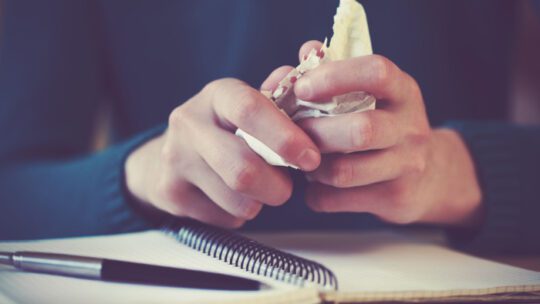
<point x="388" y="161"/>
<point x="200" y="169"/>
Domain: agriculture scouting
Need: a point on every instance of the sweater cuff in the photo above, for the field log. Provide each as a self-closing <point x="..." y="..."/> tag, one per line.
<point x="501" y="165"/>
<point x="123" y="213"/>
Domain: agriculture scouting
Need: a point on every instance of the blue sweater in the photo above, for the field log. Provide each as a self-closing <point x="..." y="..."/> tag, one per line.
<point x="63" y="61"/>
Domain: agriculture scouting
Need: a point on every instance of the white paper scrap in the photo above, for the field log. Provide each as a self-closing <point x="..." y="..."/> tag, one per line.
<point x="350" y="39"/>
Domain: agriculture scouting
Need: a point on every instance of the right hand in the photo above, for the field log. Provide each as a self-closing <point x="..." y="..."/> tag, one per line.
<point x="199" y="169"/>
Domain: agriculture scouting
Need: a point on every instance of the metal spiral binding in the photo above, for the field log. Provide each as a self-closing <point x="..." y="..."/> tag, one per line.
<point x="250" y="255"/>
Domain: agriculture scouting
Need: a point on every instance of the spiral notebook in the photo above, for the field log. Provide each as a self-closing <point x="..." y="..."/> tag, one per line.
<point x="302" y="267"/>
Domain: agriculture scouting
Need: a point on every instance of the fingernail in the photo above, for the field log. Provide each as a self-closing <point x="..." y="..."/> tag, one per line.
<point x="309" y="159"/>
<point x="303" y="88"/>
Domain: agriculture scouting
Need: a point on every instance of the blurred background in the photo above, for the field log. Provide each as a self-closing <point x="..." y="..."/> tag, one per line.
<point x="526" y="78"/>
<point x="525" y="92"/>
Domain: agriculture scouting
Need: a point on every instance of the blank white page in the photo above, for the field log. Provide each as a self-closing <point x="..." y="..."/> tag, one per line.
<point x="376" y="263"/>
<point x="151" y="247"/>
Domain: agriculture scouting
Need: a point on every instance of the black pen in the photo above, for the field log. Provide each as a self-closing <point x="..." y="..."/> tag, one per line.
<point x="127" y="272"/>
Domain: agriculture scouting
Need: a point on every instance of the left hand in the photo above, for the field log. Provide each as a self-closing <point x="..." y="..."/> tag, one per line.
<point x="388" y="161"/>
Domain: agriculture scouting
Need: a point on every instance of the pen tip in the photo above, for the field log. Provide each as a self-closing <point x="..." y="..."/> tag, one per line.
<point x="265" y="286"/>
<point x="6" y="258"/>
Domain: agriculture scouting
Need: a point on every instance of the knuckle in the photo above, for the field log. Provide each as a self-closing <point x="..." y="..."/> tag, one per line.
<point x="178" y="116"/>
<point x="415" y="165"/>
<point x="182" y="119"/>
<point x="248" y="209"/>
<point x="361" y="134"/>
<point x="280" y="196"/>
<point x="236" y="223"/>
<point x="284" y="195"/>
<point x="215" y="85"/>
<point x="380" y="68"/>
<point x="284" y="69"/>
<point x="414" y="88"/>
<point x="420" y="135"/>
<point x="211" y="87"/>
<point x="245" y="107"/>
<point x="403" y="217"/>
<point x="342" y="173"/>
<point x="308" y="46"/>
<point x="287" y="140"/>
<point x="242" y="176"/>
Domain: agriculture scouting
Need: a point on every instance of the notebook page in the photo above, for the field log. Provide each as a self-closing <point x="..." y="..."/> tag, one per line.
<point x="384" y="262"/>
<point x="146" y="247"/>
<point x="5" y="300"/>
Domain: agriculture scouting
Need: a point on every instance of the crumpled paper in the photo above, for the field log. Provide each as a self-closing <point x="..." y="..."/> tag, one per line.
<point x="350" y="39"/>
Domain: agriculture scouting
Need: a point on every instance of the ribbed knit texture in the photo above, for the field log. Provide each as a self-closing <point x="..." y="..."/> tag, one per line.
<point x="508" y="168"/>
<point x="123" y="212"/>
<point x="81" y="196"/>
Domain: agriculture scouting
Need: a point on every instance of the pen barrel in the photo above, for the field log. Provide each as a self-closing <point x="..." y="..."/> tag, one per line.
<point x="120" y="271"/>
<point x="59" y="264"/>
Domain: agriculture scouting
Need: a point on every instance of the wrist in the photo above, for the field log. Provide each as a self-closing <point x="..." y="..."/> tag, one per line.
<point x="458" y="196"/>
<point x="141" y="168"/>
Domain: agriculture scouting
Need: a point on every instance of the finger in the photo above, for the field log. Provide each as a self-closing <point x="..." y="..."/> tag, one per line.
<point x="278" y="74"/>
<point x="374" y="74"/>
<point x="307" y="47"/>
<point x="353" y="132"/>
<point x="275" y="77"/>
<point x="231" y="201"/>
<point x="194" y="204"/>
<point x="360" y="169"/>
<point x="323" y="198"/>
<point x="388" y="201"/>
<point x="238" y="105"/>
<point x="241" y="169"/>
